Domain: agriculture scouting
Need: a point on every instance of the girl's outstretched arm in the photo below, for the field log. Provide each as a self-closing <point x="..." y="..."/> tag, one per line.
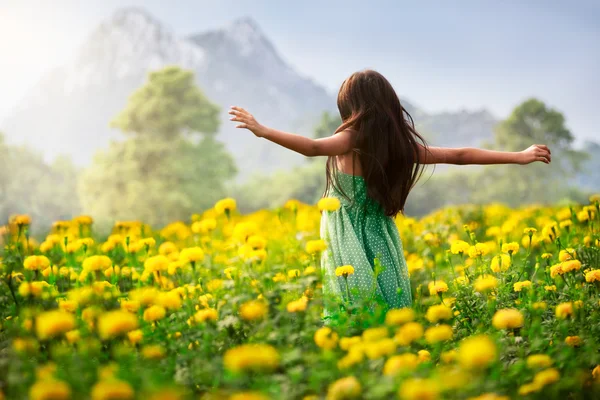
<point x="335" y="145"/>
<point x="468" y="155"/>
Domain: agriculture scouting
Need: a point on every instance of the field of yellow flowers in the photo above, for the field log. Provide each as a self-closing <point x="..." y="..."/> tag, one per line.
<point x="229" y="306"/>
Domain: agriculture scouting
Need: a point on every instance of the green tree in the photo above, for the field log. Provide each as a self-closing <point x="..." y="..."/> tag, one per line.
<point x="531" y="122"/>
<point x="327" y="125"/>
<point x="170" y="166"/>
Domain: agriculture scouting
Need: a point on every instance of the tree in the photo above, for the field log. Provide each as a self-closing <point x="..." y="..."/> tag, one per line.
<point x="327" y="125"/>
<point x="170" y="166"/>
<point x="531" y="122"/>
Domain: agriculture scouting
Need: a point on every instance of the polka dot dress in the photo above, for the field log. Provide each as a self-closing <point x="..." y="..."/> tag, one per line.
<point x="357" y="234"/>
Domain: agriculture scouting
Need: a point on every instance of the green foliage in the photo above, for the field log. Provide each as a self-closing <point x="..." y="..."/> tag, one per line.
<point x="327" y="125"/>
<point x="168" y="105"/>
<point x="162" y="172"/>
<point x="30" y="185"/>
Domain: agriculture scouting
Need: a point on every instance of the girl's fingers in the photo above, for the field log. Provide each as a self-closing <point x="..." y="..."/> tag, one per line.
<point x="542" y="159"/>
<point x="241" y="126"/>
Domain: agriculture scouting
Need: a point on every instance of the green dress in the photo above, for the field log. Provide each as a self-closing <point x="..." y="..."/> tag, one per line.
<point x="356" y="234"/>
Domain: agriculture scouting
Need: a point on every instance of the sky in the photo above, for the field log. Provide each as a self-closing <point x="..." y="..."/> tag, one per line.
<point x="470" y="54"/>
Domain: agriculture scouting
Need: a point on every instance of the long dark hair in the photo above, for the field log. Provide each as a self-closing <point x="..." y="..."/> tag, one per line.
<point x="386" y="141"/>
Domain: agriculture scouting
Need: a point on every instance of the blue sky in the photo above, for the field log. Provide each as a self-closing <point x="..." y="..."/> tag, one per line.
<point x="441" y="56"/>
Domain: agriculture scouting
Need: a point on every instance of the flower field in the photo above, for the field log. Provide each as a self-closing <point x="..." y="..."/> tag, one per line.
<point x="228" y="306"/>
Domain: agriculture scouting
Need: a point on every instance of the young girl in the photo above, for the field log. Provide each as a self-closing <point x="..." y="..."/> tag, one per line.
<point x="374" y="159"/>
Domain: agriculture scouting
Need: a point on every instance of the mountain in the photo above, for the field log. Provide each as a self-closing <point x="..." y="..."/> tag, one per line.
<point x="69" y="110"/>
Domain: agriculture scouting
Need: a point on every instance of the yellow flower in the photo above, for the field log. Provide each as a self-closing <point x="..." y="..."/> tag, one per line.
<point x="477" y="352"/>
<point x="500" y="263"/>
<point x="485" y="283"/>
<point x="593" y="276"/>
<point x="529" y="231"/>
<point x="156" y="263"/>
<point x="571" y="265"/>
<point x="344" y="271"/>
<point x="309" y="270"/>
<point x="191" y="254"/>
<point x="170" y="300"/>
<point x="529" y="388"/>
<point x="550" y="288"/>
<point x="111" y="389"/>
<point x="225" y="206"/>
<point x="546" y="256"/>
<point x="449" y="356"/>
<point x="50" y="389"/>
<point x="53" y="323"/>
<point x="154" y="313"/>
<point x="419" y="389"/>
<point x="379" y="348"/>
<point x="73" y="336"/>
<point x="374" y="334"/>
<point x="297" y="305"/>
<point x="242" y="396"/>
<point x="573" y="341"/>
<point x="167" y="248"/>
<point x="153" y="352"/>
<point x="329" y="204"/>
<point x="564" y="310"/>
<point x="539" y="361"/>
<point x="508" y="318"/>
<point x="438" y="312"/>
<point x="400" y="363"/>
<point x="135" y="336"/>
<point x="144" y="296"/>
<point x="315" y="246"/>
<point x="408" y="333"/>
<point x="518" y="286"/>
<point x="437" y="287"/>
<point x="207" y="314"/>
<point x="116" y="323"/>
<point x="567" y="254"/>
<point x="96" y="263"/>
<point x="251" y="357"/>
<point x="68" y="305"/>
<point x="36" y="263"/>
<point x="253" y="310"/>
<point x="510" y="248"/>
<point x="344" y="389"/>
<point x="459" y="247"/>
<point x="256" y="242"/>
<point x="478" y="250"/>
<point x="325" y="338"/>
<point x="439" y="333"/>
<point x="214" y="285"/>
<point x="204" y="226"/>
<point x="351" y="359"/>
<point x="423" y="356"/>
<point x="546" y="377"/>
<point x="399" y="316"/>
<point x="539" y="305"/>
<point x="34" y="289"/>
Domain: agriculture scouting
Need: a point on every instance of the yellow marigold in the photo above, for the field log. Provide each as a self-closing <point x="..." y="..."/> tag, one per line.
<point x="439" y="333"/>
<point x="539" y="361"/>
<point x="111" y="389"/>
<point x="297" y="305"/>
<point x="156" y="263"/>
<point x="419" y="389"/>
<point x="20" y="220"/>
<point x="206" y="314"/>
<point x="500" y="263"/>
<point x="400" y="363"/>
<point x="518" y="286"/>
<point x="380" y="348"/>
<point x="329" y="204"/>
<point x="529" y="388"/>
<point x="350" y="359"/>
<point x="50" y="389"/>
<point x="153" y="352"/>
<point x="477" y="352"/>
<point x="170" y="300"/>
<point x="244" y="396"/>
<point x="135" y="336"/>
<point x="592" y="276"/>
<point x="529" y="231"/>
<point x="374" y="334"/>
<point x="408" y="333"/>
<point x="539" y="305"/>
<point x="310" y="270"/>
<point x="564" y="310"/>
<point x="478" y="250"/>
<point x="546" y="256"/>
<point x="508" y="318"/>
<point x="596" y="372"/>
<point x="116" y="323"/>
<point x="489" y="396"/>
<point x="459" y="247"/>
<point x="145" y="295"/>
<point x="485" y="283"/>
<point x="253" y="310"/>
<point x="36" y="263"/>
<point x="154" y="313"/>
<point x="573" y="341"/>
<point x="510" y="248"/>
<point x="567" y="254"/>
<point x="546" y="377"/>
<point x="53" y="323"/>
<point x="293" y="273"/>
<point x="344" y="271"/>
<point x="315" y="246"/>
<point x="344" y="389"/>
<point x="571" y="265"/>
<point x="438" y="312"/>
<point x="192" y="254"/>
<point x="347" y="342"/>
<point x="214" y="284"/>
<point x="73" y="336"/>
<point x="35" y="288"/>
<point x="225" y="206"/>
<point x="256" y="242"/>
<point x="204" y="226"/>
<point x="325" y="338"/>
<point x="399" y="316"/>
<point x="449" y="356"/>
<point x="437" y="287"/>
<point x="423" y="356"/>
<point x="251" y="357"/>
<point x="97" y="263"/>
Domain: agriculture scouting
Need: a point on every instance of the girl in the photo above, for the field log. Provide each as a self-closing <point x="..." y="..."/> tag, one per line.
<point x="374" y="159"/>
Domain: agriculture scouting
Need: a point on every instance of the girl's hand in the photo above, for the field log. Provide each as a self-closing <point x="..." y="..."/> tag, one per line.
<point x="247" y="121"/>
<point x="537" y="152"/>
